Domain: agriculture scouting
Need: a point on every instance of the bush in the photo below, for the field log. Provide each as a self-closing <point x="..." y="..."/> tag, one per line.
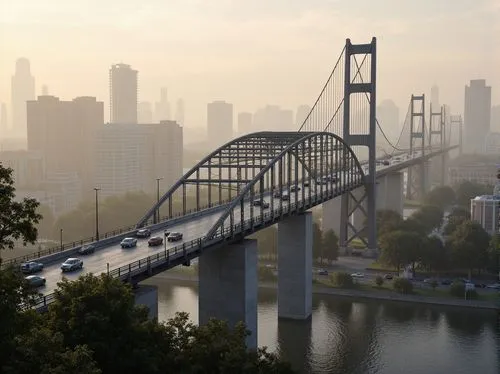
<point x="457" y="289"/>
<point x="342" y="279"/>
<point x="403" y="285"/>
<point x="434" y="284"/>
<point x="379" y="281"/>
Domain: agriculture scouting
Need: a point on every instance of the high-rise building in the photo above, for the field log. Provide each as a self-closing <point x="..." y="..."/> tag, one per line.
<point x="495" y="118"/>
<point x="486" y="209"/>
<point x="123" y="94"/>
<point x="144" y="112"/>
<point x="28" y="167"/>
<point x="162" y="108"/>
<point x="23" y="90"/>
<point x="273" y="118"/>
<point x="477" y="115"/>
<point x="131" y="157"/>
<point x="45" y="90"/>
<point x="63" y="131"/>
<point x="3" y="121"/>
<point x="219" y="122"/>
<point x="388" y="118"/>
<point x="179" y="113"/>
<point x="302" y="113"/>
<point x="435" y="99"/>
<point x="245" y="125"/>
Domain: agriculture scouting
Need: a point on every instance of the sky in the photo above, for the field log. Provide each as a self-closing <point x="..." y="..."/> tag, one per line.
<point x="250" y="53"/>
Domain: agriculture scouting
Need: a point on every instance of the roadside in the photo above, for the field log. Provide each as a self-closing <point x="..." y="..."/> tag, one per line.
<point x="364" y="291"/>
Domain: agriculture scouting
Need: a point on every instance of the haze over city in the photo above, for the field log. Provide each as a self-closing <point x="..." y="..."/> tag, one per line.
<point x="248" y="53"/>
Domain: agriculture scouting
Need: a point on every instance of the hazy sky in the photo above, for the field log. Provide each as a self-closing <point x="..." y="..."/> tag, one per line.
<point x="249" y="52"/>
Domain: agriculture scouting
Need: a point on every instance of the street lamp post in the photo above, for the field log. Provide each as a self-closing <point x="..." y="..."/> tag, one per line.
<point x="97" y="213"/>
<point x="157" y="213"/>
<point x="61" y="238"/>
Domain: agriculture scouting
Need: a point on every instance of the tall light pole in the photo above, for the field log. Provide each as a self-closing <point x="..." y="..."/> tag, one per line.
<point x="157" y="213"/>
<point x="97" y="213"/>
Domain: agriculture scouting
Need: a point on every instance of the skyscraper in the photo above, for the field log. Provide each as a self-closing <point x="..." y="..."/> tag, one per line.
<point x="45" y="90"/>
<point x="3" y="121"/>
<point x="179" y="114"/>
<point x="219" y="122"/>
<point x="162" y="108"/>
<point x="477" y="115"/>
<point x="495" y="118"/>
<point x="123" y="94"/>
<point x="302" y="113"/>
<point x="245" y="124"/>
<point x="23" y="89"/>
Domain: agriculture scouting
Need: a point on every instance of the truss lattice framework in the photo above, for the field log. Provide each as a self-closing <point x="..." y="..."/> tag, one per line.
<point x="254" y="165"/>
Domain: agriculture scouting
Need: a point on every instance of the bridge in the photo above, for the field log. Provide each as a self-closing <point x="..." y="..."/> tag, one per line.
<point x="239" y="190"/>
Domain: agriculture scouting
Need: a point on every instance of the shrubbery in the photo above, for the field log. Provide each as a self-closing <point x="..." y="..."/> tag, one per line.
<point x="457" y="289"/>
<point x="342" y="279"/>
<point x="403" y="285"/>
<point x="379" y="281"/>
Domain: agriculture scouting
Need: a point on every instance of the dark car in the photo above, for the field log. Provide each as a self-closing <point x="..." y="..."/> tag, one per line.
<point x="87" y="249"/>
<point x="285" y="196"/>
<point x="31" y="267"/>
<point x="143" y="233"/>
<point x="386" y="163"/>
<point x="155" y="240"/>
<point x="388" y="276"/>
<point x="294" y="188"/>
<point x="306" y="183"/>
<point x="174" y="237"/>
<point x="446" y="282"/>
<point x="277" y="194"/>
<point x="35" y="281"/>
<point x="265" y="204"/>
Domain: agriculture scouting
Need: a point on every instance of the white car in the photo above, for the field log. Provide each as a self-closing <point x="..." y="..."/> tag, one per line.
<point x="72" y="264"/>
<point x="357" y="275"/>
<point x="128" y="243"/>
<point x="494" y="286"/>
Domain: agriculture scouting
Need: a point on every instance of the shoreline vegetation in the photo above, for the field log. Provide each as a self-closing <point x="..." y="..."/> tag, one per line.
<point x="362" y="291"/>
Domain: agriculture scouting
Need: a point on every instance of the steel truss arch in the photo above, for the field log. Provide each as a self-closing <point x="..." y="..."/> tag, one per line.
<point x="322" y="161"/>
<point x="243" y="156"/>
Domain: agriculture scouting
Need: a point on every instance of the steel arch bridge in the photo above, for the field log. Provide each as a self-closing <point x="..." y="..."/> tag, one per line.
<point x="267" y="175"/>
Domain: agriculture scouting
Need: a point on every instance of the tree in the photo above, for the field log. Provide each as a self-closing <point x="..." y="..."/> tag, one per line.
<point x="434" y="284"/>
<point x="429" y="216"/>
<point x="434" y="254"/>
<point x="403" y="285"/>
<point x="342" y="279"/>
<point x="469" y="244"/>
<point x="455" y="218"/>
<point x="387" y="220"/>
<point x="379" y="281"/>
<point x="466" y="191"/>
<point x="400" y="248"/>
<point x="494" y="254"/>
<point x="18" y="219"/>
<point x="442" y="197"/>
<point x="330" y="244"/>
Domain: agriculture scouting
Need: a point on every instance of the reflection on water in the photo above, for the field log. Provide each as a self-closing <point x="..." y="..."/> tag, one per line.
<point x="366" y="337"/>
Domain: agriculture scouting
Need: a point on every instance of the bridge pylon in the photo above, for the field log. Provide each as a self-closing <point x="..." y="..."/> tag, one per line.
<point x="437" y="137"/>
<point x="356" y="202"/>
<point x="418" y="175"/>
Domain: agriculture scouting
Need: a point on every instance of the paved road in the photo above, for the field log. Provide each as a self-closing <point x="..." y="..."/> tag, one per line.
<point x="197" y="227"/>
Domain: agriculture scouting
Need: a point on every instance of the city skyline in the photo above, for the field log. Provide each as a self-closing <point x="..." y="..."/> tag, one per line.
<point x="205" y="63"/>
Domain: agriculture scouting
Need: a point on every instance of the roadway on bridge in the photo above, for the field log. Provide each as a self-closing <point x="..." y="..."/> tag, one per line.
<point x="195" y="228"/>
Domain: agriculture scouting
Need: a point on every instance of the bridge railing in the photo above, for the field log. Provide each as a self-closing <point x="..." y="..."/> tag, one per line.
<point x="92" y="239"/>
<point x="127" y="271"/>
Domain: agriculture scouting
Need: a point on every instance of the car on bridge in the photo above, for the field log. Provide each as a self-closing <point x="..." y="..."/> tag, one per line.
<point x="31" y="267"/>
<point x="72" y="264"/>
<point x="35" y="281"/>
<point x="265" y="204"/>
<point x="294" y="188"/>
<point x="174" y="236"/>
<point x="128" y="243"/>
<point x="87" y="249"/>
<point x="155" y="241"/>
<point x="285" y="196"/>
<point x="143" y="233"/>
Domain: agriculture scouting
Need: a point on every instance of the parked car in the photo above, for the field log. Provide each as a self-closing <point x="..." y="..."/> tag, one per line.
<point x="446" y="282"/>
<point x="87" y="249"/>
<point x="143" y="233"/>
<point x="174" y="236"/>
<point x="357" y="275"/>
<point x="128" y="243"/>
<point x="155" y="240"/>
<point x="72" y="264"/>
<point x="388" y="276"/>
<point x="265" y="204"/>
<point x="35" y="280"/>
<point x="323" y="272"/>
<point x="31" y="267"/>
<point x="494" y="286"/>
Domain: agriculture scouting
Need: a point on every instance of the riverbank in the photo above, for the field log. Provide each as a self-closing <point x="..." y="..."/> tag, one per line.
<point x="383" y="295"/>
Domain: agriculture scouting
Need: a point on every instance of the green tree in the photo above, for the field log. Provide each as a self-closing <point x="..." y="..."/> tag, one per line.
<point x="379" y="281"/>
<point x="455" y="218"/>
<point x="317" y="242"/>
<point x="434" y="255"/>
<point x="434" y="284"/>
<point x="388" y="220"/>
<point x="403" y="285"/>
<point x="466" y="191"/>
<point x="469" y="244"/>
<point x="18" y="219"/>
<point x="400" y="248"/>
<point x="342" y="279"/>
<point x="330" y="244"/>
<point x="442" y="196"/>
<point x="494" y="254"/>
<point x="429" y="216"/>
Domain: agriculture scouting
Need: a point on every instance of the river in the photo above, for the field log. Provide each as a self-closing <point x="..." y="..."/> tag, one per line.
<point x="349" y="337"/>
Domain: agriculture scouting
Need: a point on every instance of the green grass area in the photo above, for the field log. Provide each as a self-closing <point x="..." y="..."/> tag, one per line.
<point x="357" y="243"/>
<point x="378" y="266"/>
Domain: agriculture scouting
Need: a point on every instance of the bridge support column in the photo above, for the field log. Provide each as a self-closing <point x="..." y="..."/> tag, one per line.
<point x="147" y="295"/>
<point x="358" y="217"/>
<point x="228" y="286"/>
<point x="390" y="192"/>
<point x="331" y="215"/>
<point x="295" y="267"/>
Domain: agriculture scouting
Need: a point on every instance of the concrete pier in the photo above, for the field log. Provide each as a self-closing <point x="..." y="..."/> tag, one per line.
<point x="390" y="192"/>
<point x="147" y="295"/>
<point x="295" y="267"/>
<point x="228" y="286"/>
<point x="331" y="215"/>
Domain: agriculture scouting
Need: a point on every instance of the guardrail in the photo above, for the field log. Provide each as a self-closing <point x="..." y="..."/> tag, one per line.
<point x="183" y="250"/>
<point x="79" y="243"/>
